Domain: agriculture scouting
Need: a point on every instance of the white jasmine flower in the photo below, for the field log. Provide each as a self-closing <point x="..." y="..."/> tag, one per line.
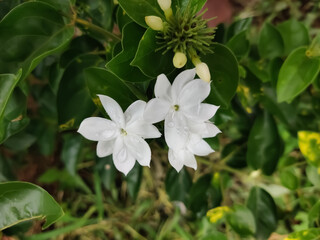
<point x="181" y="108"/>
<point x="123" y="135"/>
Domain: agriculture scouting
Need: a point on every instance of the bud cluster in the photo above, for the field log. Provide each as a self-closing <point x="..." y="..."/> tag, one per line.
<point x="185" y="33"/>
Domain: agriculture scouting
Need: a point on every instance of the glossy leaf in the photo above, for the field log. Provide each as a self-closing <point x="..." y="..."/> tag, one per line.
<point x="178" y="185"/>
<point x="107" y="172"/>
<point x="14" y="117"/>
<point x="270" y="43"/>
<point x="309" y="144"/>
<point x="314" y="214"/>
<point x="73" y="99"/>
<point x="296" y="74"/>
<point x="6" y="6"/>
<point x="21" y="201"/>
<point x="239" y="44"/>
<point x="263" y="209"/>
<point x="242" y="220"/>
<point x="151" y="62"/>
<point x="138" y="9"/>
<point x="7" y="84"/>
<point x="308" y="234"/>
<point x="120" y="64"/>
<point x="25" y="41"/>
<point x="122" y="18"/>
<point x="258" y="68"/>
<point x="102" y="81"/>
<point x="224" y="71"/>
<point x="294" y="34"/>
<point x="238" y="26"/>
<point x="264" y="144"/>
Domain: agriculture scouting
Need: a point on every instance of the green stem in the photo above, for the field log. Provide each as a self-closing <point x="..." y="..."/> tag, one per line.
<point x="98" y="29"/>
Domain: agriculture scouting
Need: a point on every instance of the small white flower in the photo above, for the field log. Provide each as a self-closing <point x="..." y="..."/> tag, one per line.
<point x="181" y="108"/>
<point x="123" y="135"/>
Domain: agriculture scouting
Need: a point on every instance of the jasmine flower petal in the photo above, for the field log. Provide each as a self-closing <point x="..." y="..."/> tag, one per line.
<point x="162" y="87"/>
<point x="139" y="149"/>
<point x="122" y="158"/>
<point x="175" y="130"/>
<point x="143" y="129"/>
<point x="175" y="160"/>
<point x="194" y="93"/>
<point x="105" y="148"/>
<point x="113" y="109"/>
<point x="156" y="110"/>
<point x="98" y="129"/>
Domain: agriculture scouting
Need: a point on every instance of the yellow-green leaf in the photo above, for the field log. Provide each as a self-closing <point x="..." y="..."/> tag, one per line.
<point x="309" y="144"/>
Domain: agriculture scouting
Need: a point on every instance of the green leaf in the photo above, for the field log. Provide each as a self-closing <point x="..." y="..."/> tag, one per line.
<point x="73" y="98"/>
<point x="313" y="175"/>
<point x="148" y="60"/>
<point x="214" y="235"/>
<point x="224" y="71"/>
<point x="138" y="9"/>
<point x="120" y="64"/>
<point x="270" y="43"/>
<point x="21" y="201"/>
<point x="237" y="27"/>
<point x="294" y="34"/>
<point x="242" y="220"/>
<point x="258" y="68"/>
<point x="198" y="201"/>
<point x="239" y="44"/>
<point x="263" y="208"/>
<point x="30" y="32"/>
<point x="102" y="81"/>
<point x="71" y="149"/>
<point x="296" y="74"/>
<point x="99" y="12"/>
<point x="309" y="234"/>
<point x="122" y="18"/>
<point x="134" y="181"/>
<point x="309" y="144"/>
<point x="6" y="6"/>
<point x="107" y="172"/>
<point x="66" y="180"/>
<point x="7" y="84"/>
<point x="314" y="214"/>
<point x="14" y="117"/>
<point x="264" y="144"/>
<point x="178" y="185"/>
<point x="289" y="178"/>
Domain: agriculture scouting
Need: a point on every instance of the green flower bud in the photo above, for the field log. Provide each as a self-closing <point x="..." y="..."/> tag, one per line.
<point x="179" y="59"/>
<point x="154" y="22"/>
<point x="203" y="71"/>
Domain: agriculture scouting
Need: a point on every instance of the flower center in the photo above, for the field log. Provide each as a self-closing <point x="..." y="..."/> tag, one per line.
<point x="176" y="107"/>
<point x="123" y="132"/>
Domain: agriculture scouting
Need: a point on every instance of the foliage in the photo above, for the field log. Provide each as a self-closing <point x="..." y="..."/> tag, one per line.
<point x="264" y="177"/>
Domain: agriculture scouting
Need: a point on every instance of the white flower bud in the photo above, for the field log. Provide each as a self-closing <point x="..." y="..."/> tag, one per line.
<point x="203" y="71"/>
<point x="179" y="59"/>
<point x="164" y="4"/>
<point x="154" y="22"/>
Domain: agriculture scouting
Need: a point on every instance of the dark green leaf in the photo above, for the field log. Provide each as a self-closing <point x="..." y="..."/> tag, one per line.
<point x="6" y="173"/>
<point x="107" y="171"/>
<point x="264" y="144"/>
<point x="73" y="99"/>
<point x="294" y="34"/>
<point x="101" y="81"/>
<point x="120" y="64"/>
<point x="6" y="6"/>
<point x="122" y="18"/>
<point x="99" y="12"/>
<point x="263" y="208"/>
<point x="138" y="9"/>
<point x="21" y="201"/>
<point x="148" y="60"/>
<point x="270" y="42"/>
<point x="134" y="181"/>
<point x="72" y="145"/>
<point x="14" y="118"/>
<point x="238" y="26"/>
<point x="214" y="235"/>
<point x="259" y="70"/>
<point x="242" y="220"/>
<point x="66" y="180"/>
<point x="30" y="32"/>
<point x="198" y="200"/>
<point x="239" y="44"/>
<point x="296" y="74"/>
<point x="178" y="185"/>
<point x="224" y="71"/>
